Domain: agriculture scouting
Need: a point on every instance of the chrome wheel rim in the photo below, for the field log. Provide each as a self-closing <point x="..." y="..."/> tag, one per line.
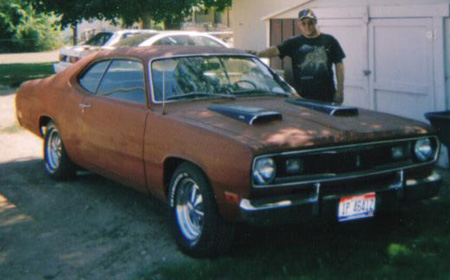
<point x="189" y="209"/>
<point x="54" y="150"/>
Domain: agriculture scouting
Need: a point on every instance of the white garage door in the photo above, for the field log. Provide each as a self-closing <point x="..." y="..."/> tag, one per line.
<point x="401" y="60"/>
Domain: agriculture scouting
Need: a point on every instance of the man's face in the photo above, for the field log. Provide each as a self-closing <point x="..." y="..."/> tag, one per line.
<point x="308" y="27"/>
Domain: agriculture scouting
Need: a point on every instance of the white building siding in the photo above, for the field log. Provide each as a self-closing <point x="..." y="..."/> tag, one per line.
<point x="249" y="31"/>
<point x="447" y="60"/>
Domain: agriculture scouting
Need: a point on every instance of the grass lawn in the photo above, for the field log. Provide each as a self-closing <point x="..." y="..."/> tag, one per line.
<point x="12" y="75"/>
<point x="413" y="244"/>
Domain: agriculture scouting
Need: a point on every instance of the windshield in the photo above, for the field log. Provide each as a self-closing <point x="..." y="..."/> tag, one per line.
<point x="99" y="39"/>
<point x="214" y="77"/>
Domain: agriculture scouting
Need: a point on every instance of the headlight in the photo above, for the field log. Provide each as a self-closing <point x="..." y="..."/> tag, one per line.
<point x="294" y="166"/>
<point x="264" y="171"/>
<point x="423" y="149"/>
<point x="398" y="152"/>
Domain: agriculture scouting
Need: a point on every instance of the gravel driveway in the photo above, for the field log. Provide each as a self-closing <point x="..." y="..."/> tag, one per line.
<point x="90" y="228"/>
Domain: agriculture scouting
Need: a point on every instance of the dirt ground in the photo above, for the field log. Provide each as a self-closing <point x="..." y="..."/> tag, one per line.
<point x="90" y="228"/>
<point x="29" y="57"/>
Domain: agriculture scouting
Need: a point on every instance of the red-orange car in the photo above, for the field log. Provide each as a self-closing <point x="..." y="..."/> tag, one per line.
<point x="223" y="139"/>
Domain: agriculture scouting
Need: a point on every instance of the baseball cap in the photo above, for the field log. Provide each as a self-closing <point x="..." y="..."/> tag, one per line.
<point x="307" y="13"/>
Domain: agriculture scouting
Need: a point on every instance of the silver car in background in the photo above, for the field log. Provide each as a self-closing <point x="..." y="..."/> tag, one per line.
<point x="133" y="38"/>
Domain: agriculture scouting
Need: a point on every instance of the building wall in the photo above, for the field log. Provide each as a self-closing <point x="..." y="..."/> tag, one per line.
<point x="337" y="3"/>
<point x="447" y="60"/>
<point x="249" y="31"/>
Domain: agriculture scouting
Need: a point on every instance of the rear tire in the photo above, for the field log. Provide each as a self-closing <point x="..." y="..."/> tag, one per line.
<point x="58" y="165"/>
<point x="198" y="228"/>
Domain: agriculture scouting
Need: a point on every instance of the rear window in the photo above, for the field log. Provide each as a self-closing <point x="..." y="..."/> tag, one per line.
<point x="99" y="39"/>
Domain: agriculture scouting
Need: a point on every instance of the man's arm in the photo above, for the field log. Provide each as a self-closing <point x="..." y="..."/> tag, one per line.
<point x="269" y="53"/>
<point x="339" y="96"/>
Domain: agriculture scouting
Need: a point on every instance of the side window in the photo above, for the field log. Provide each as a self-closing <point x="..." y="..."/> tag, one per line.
<point x="179" y="40"/>
<point x="90" y="79"/>
<point x="124" y="80"/>
<point x="204" y="41"/>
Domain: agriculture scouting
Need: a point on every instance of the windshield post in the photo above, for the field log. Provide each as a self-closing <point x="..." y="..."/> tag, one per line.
<point x="163" y="93"/>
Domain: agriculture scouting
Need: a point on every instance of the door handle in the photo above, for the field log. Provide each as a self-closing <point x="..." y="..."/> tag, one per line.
<point x="84" y="106"/>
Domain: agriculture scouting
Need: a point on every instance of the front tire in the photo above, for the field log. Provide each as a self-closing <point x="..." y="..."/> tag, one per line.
<point x="198" y="228"/>
<point x="57" y="163"/>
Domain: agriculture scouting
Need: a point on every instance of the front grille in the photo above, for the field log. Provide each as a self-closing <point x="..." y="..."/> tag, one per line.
<point x="328" y="164"/>
<point x="345" y="161"/>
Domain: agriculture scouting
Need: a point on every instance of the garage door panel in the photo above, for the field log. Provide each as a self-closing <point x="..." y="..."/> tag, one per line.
<point x="401" y="54"/>
<point x="413" y="88"/>
<point x="401" y="58"/>
<point x="388" y="102"/>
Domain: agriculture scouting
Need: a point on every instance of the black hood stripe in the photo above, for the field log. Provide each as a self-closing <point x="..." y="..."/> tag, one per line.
<point x="328" y="108"/>
<point x="249" y="115"/>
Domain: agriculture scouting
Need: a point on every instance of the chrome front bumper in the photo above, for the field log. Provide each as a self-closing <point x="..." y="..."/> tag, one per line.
<point x="289" y="209"/>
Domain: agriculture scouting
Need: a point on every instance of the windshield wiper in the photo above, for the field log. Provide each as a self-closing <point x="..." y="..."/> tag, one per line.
<point x="260" y="92"/>
<point x="200" y="94"/>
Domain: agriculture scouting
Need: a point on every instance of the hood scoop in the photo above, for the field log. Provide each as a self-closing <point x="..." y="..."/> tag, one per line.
<point x="249" y="115"/>
<point x="327" y="108"/>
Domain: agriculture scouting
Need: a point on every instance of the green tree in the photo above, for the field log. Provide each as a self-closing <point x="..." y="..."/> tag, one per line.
<point x="73" y="12"/>
<point x="23" y="29"/>
<point x="171" y="12"/>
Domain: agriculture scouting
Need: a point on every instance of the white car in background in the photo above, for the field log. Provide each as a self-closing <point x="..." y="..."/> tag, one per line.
<point x="70" y="55"/>
<point x="172" y="38"/>
<point x="128" y="38"/>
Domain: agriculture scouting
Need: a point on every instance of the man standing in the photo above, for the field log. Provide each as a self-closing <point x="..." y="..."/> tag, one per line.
<point x="313" y="55"/>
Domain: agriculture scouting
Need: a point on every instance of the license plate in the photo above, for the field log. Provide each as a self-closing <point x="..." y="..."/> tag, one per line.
<point x="356" y="207"/>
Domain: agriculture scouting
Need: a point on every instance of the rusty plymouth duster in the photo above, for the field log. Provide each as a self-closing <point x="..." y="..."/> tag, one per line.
<point x="222" y="139"/>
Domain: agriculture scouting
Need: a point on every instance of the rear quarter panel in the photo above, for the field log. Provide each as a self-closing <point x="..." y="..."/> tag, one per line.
<point x="28" y="106"/>
<point x="53" y="98"/>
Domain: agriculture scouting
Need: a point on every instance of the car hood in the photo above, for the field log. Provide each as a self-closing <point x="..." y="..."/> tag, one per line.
<point x="288" y="126"/>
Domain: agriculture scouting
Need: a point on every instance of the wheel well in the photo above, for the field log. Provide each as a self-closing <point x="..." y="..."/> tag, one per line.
<point x="170" y="165"/>
<point x="43" y="122"/>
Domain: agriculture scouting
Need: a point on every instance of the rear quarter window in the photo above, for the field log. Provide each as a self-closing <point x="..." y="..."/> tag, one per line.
<point x="90" y="78"/>
<point x="124" y="80"/>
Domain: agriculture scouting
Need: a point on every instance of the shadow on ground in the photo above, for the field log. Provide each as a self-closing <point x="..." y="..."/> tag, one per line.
<point x="97" y="229"/>
<point x="87" y="228"/>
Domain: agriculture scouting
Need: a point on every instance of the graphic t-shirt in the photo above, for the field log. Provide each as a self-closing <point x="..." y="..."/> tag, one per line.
<point x="312" y="61"/>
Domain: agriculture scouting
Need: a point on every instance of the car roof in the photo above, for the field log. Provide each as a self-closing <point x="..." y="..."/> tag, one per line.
<point x="134" y="31"/>
<point x="152" y="52"/>
<point x="159" y="35"/>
